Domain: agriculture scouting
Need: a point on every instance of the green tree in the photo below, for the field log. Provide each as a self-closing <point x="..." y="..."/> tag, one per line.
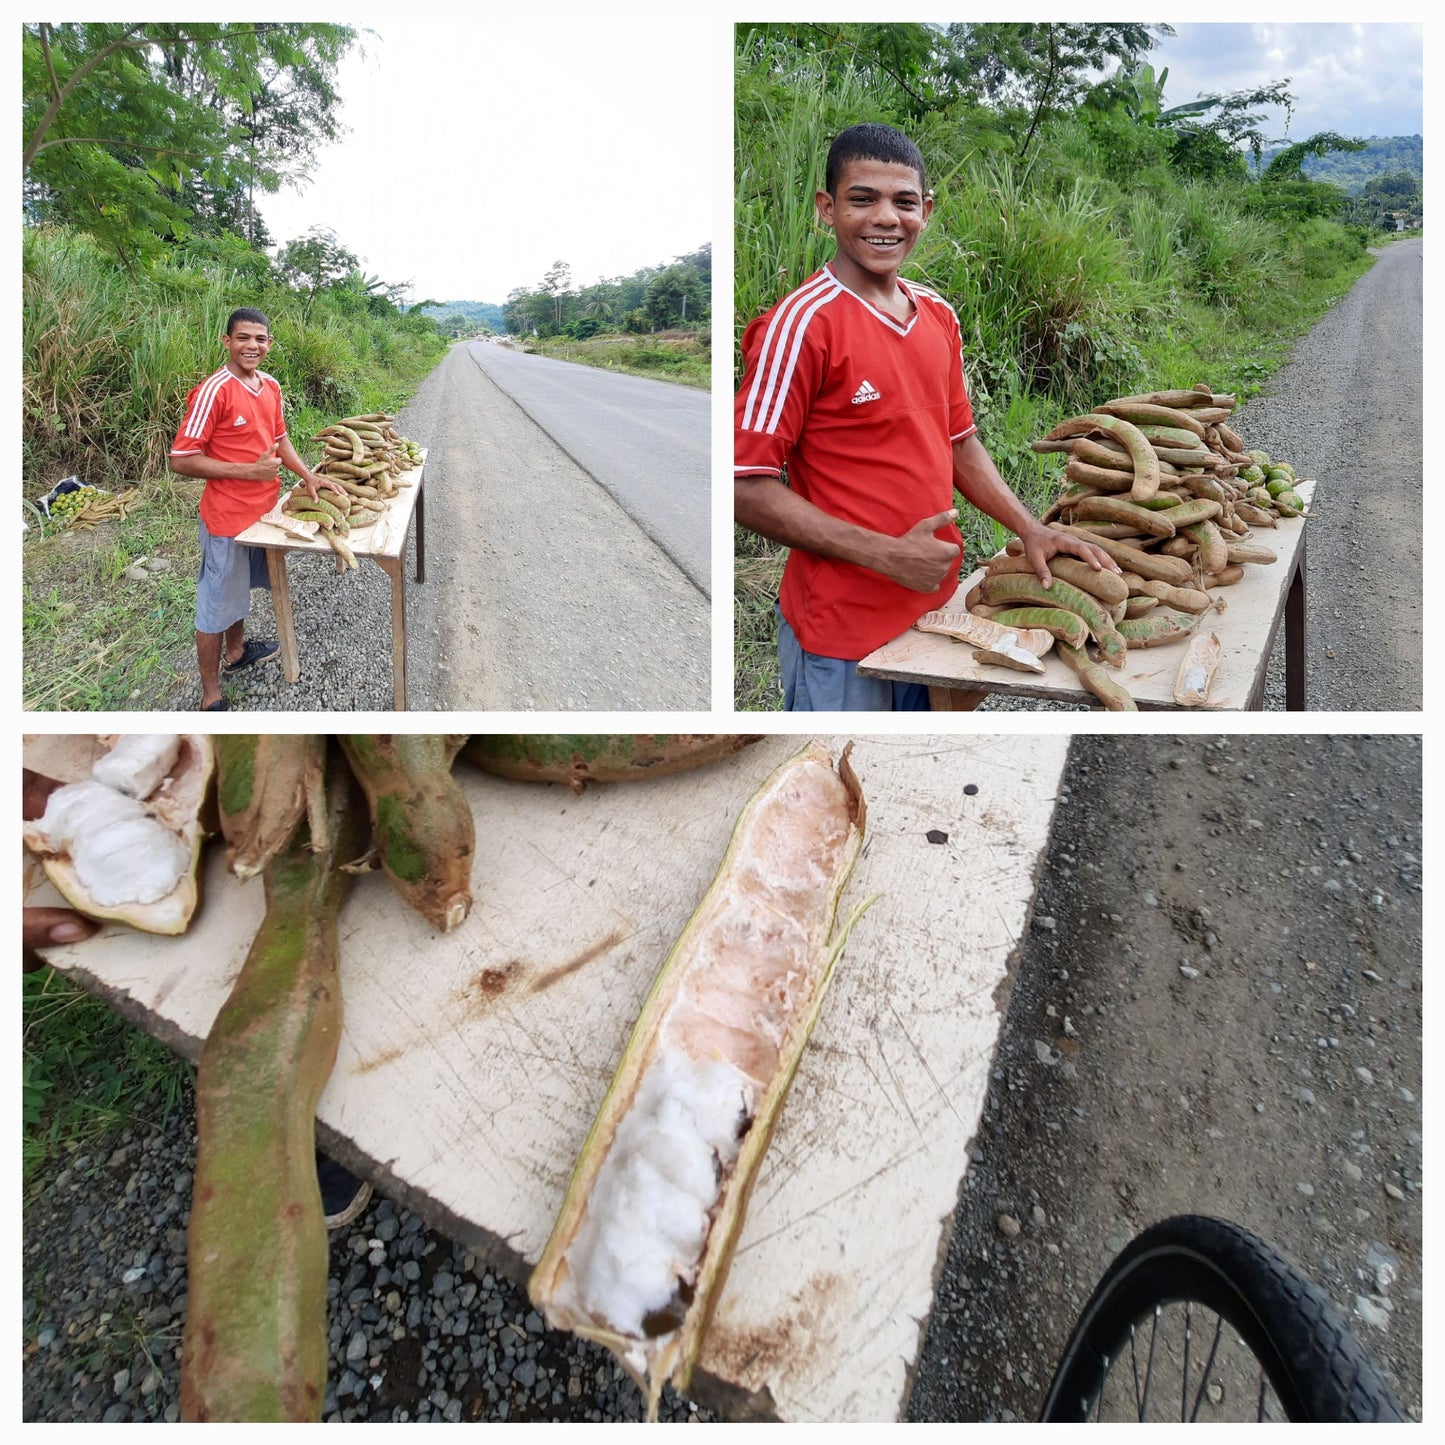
<point x="1041" y="69"/>
<point x="315" y="261"/>
<point x="136" y="132"/>
<point x="557" y="283"/>
<point x="675" y="297"/>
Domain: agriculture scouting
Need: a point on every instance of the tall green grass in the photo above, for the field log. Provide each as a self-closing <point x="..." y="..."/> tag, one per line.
<point x="108" y="359"/>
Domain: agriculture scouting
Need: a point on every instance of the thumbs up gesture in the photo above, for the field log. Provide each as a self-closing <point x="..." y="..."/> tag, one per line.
<point x="920" y="560"/>
<point x="267" y="467"/>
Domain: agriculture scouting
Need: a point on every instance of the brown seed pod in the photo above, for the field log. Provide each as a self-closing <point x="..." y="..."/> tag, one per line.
<point x="424" y="834"/>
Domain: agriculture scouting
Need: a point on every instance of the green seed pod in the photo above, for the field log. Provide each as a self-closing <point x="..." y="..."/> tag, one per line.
<point x="254" y="1346"/>
<point x="265" y="785"/>
<point x="420" y="819"/>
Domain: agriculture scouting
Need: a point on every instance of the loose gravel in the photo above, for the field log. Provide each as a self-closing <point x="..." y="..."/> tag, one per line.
<point x="1218" y="1011"/>
<point x="419" y="1328"/>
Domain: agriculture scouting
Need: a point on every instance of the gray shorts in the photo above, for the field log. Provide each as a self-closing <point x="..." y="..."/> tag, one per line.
<point x="229" y="570"/>
<point x="812" y="683"/>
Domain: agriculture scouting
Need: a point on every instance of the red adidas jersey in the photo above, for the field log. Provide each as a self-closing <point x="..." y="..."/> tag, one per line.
<point x="863" y="410"/>
<point x="229" y="422"/>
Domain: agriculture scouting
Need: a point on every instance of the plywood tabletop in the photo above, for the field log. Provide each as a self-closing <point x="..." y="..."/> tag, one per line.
<point x="384" y="538"/>
<point x="1246" y="628"/>
<point x="472" y="1064"/>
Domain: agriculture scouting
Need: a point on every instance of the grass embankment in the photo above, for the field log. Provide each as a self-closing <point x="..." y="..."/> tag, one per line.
<point x="108" y="361"/>
<point x="86" y="1074"/>
<point x="1097" y="272"/>
<point x="680" y="356"/>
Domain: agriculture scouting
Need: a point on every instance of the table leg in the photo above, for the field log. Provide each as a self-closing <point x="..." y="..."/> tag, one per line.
<point x="392" y="566"/>
<point x="281" y="607"/>
<point x="954" y="699"/>
<point x="420" y="529"/>
<point x="1294" y="639"/>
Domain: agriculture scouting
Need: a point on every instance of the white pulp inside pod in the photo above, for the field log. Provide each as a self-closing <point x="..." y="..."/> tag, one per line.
<point x="753" y="962"/>
<point x="120" y="852"/>
<point x="138" y="763"/>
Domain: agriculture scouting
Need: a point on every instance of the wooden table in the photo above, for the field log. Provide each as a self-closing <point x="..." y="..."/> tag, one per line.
<point x="384" y="543"/>
<point x="1247" y="629"/>
<point x="472" y="1064"/>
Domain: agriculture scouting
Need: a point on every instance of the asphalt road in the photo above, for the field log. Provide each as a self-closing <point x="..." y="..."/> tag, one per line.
<point x="542" y="593"/>
<point x="647" y="442"/>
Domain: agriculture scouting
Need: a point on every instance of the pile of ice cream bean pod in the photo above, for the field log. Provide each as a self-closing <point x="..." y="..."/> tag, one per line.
<point x="1163" y="485"/>
<point x="366" y="457"/>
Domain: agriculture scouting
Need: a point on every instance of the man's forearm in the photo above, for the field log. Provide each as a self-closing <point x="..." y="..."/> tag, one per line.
<point x="209" y="469"/>
<point x="976" y="477"/>
<point x="918" y="560"/>
<point x="771" y="509"/>
<point x="290" y="459"/>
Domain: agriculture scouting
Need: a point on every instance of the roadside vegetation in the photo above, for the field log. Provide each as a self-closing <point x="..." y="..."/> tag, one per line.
<point x="133" y="255"/>
<point x="1093" y="240"/>
<point x="656" y="322"/>
<point x="86" y="1073"/>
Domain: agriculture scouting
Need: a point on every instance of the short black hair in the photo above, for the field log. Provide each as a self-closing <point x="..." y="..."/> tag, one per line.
<point x="247" y="313"/>
<point x="871" y="141"/>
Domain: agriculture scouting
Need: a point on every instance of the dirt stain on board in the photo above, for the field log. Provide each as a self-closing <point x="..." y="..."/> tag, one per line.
<point x="386" y="1056"/>
<point x="491" y="983"/>
<point x="805" y="1332"/>
<point x="588" y="955"/>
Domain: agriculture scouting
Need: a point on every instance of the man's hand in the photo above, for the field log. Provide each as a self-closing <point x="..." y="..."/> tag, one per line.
<point x="1041" y="543"/>
<point x="265" y="468"/>
<point x="918" y="560"/>
<point x="310" y="480"/>
<point x="46" y="927"/>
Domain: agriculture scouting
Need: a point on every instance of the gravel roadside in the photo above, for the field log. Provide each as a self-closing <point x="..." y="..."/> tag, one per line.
<point x="1218" y="1011"/>
<point x="1278" y="1085"/>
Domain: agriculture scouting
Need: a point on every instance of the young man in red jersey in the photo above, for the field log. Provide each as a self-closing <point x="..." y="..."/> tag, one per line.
<point x="854" y="383"/>
<point x="234" y="438"/>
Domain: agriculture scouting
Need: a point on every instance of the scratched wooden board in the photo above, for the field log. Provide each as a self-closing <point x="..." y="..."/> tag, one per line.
<point x="1252" y="608"/>
<point x="472" y="1064"/>
<point x="384" y="538"/>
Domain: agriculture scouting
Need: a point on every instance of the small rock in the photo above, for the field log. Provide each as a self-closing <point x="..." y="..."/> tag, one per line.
<point x="1187" y="971"/>
<point x="1046" y="923"/>
<point x="1008" y="1226"/>
<point x="1394" y="1191"/>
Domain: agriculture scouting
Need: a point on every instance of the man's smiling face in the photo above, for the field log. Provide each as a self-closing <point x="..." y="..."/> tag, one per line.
<point x="247" y="346"/>
<point x="877" y="215"/>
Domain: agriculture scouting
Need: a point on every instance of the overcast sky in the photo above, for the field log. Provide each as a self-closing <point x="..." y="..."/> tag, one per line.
<point x="479" y="154"/>
<point x="1360" y="80"/>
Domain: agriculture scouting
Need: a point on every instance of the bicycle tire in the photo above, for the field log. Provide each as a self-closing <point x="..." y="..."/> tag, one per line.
<point x="1312" y="1360"/>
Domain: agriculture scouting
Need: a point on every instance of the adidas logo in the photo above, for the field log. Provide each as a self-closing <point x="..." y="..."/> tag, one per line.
<point x="240" y="421"/>
<point x="865" y="393"/>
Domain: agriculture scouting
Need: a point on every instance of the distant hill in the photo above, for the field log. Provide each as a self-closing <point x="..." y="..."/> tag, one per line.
<point x="1384" y="155"/>
<point x="479" y="313"/>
